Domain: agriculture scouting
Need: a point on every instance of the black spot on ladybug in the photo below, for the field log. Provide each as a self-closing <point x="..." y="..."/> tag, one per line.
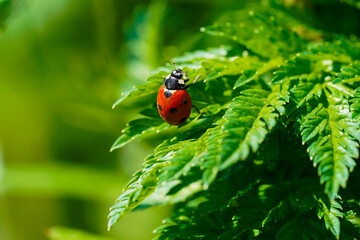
<point x="185" y="102"/>
<point x="167" y="94"/>
<point x="159" y="106"/>
<point x="173" y="110"/>
<point x="183" y="120"/>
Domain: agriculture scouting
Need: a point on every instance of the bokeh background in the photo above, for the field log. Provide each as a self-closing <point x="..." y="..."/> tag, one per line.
<point x="63" y="63"/>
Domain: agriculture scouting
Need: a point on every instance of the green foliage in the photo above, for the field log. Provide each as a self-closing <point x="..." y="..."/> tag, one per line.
<point x="149" y="88"/>
<point x="281" y="95"/>
<point x="331" y="216"/>
<point x="139" y="127"/>
<point x="273" y="27"/>
<point x="330" y="146"/>
<point x="355" y="3"/>
<point x="355" y="106"/>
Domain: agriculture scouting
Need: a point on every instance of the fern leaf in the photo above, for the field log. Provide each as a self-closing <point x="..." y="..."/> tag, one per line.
<point x="143" y="185"/>
<point x="284" y="71"/>
<point x="342" y="49"/>
<point x="265" y="120"/>
<point x="162" y="170"/>
<point x="351" y="211"/>
<point x="214" y="69"/>
<point x="253" y="30"/>
<point x="275" y="214"/>
<point x="330" y="147"/>
<point x="320" y="126"/>
<point x="252" y="74"/>
<point x="141" y="127"/>
<point x="201" y="55"/>
<point x="244" y="127"/>
<point x="349" y="73"/>
<point x="210" y="69"/>
<point x="151" y="86"/>
<point x="160" y="166"/>
<point x="295" y="68"/>
<point x="355" y="105"/>
<point x="331" y="215"/>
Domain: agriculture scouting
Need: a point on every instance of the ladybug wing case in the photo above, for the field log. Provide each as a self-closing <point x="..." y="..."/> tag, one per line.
<point x="174" y="106"/>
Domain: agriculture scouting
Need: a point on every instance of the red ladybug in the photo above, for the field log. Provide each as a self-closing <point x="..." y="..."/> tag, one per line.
<point x="173" y="101"/>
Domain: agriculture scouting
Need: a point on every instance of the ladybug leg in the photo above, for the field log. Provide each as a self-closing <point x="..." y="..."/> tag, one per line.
<point x="196" y="108"/>
<point x="185" y="87"/>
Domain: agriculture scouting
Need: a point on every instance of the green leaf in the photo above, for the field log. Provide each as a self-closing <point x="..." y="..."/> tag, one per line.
<point x="275" y="214"/>
<point x="349" y="73"/>
<point x="331" y="215"/>
<point x="251" y="118"/>
<point x="238" y="169"/>
<point x="331" y="148"/>
<point x="214" y="69"/>
<point x="355" y="105"/>
<point x="200" y="55"/>
<point x="151" y="86"/>
<point x="341" y="49"/>
<point x="331" y="144"/>
<point x="159" y="167"/>
<point x="264" y="31"/>
<point x="141" y="186"/>
<point x="141" y="127"/>
<point x="295" y="69"/>
<point x="209" y="69"/>
<point x="252" y="74"/>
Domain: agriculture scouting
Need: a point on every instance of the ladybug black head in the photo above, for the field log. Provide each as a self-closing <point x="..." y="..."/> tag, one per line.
<point x="173" y="83"/>
<point x="177" y="73"/>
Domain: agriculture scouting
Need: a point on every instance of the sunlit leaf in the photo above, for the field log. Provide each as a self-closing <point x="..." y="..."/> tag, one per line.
<point x="282" y="93"/>
<point x="331" y="215"/>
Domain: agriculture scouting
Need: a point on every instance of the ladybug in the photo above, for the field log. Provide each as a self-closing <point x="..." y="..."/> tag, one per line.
<point x="173" y="101"/>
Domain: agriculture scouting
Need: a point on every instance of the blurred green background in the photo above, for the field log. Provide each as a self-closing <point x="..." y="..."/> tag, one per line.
<point x="62" y="65"/>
